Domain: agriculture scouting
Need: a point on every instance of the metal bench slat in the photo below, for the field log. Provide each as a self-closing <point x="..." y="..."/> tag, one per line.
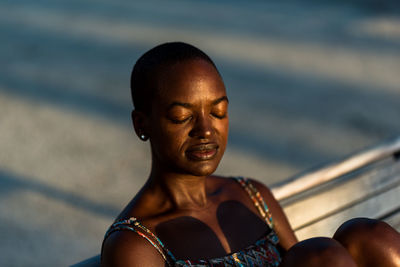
<point x="338" y="196"/>
<point x="375" y="207"/>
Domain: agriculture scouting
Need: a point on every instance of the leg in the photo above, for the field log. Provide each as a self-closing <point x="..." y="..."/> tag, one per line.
<point x="318" y="251"/>
<point x="370" y="242"/>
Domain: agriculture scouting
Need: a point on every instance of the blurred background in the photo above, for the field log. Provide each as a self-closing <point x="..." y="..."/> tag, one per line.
<point x="309" y="82"/>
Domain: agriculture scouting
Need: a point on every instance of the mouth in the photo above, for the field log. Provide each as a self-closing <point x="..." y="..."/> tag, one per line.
<point x="202" y="152"/>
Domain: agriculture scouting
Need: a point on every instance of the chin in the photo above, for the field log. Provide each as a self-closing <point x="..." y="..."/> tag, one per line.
<point x="203" y="173"/>
<point x="205" y="170"/>
<point x="196" y="168"/>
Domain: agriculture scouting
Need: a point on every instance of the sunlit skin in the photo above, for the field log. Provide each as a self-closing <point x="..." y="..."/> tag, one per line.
<point x="187" y="127"/>
<point x="188" y="130"/>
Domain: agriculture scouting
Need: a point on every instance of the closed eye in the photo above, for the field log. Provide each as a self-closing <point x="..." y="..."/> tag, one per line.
<point x="180" y="121"/>
<point x="218" y="116"/>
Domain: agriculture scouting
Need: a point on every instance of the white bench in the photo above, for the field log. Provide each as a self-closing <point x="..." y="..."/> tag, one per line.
<point x="366" y="184"/>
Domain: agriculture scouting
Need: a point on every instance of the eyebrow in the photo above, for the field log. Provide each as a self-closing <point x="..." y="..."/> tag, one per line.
<point x="188" y="105"/>
<point x="219" y="100"/>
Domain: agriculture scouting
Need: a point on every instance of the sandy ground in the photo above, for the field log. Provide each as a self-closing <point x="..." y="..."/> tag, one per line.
<point x="308" y="83"/>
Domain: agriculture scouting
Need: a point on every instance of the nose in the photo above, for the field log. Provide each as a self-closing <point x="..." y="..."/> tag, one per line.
<point x="202" y="128"/>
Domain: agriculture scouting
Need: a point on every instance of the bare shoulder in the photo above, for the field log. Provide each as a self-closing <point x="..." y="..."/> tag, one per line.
<point x="126" y="248"/>
<point x="281" y="223"/>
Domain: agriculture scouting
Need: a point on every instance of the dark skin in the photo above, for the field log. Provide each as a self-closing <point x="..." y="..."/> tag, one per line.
<point x="183" y="203"/>
<point x="188" y="130"/>
<point x="357" y="242"/>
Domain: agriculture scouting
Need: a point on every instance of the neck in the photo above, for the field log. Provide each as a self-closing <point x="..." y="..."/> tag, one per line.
<point x="180" y="191"/>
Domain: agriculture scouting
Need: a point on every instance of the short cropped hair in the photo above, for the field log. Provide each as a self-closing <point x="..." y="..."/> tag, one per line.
<point x="147" y="68"/>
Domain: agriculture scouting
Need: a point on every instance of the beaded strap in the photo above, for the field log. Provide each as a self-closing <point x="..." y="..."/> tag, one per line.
<point x="257" y="200"/>
<point x="132" y="224"/>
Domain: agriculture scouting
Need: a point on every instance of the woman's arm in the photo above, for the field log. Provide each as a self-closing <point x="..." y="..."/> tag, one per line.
<point x="128" y="249"/>
<point x="281" y="224"/>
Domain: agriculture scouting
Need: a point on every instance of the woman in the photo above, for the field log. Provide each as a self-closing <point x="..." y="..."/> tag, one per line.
<point x="184" y="215"/>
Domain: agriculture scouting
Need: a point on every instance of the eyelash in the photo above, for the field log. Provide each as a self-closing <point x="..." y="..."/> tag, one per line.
<point x="188" y="118"/>
<point x="219" y="117"/>
<point x="181" y="121"/>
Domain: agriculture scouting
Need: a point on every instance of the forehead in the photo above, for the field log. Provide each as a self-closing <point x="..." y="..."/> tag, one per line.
<point x="189" y="81"/>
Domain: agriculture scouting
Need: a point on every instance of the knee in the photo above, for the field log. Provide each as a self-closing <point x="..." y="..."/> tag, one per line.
<point x="319" y="251"/>
<point x="361" y="231"/>
<point x="368" y="239"/>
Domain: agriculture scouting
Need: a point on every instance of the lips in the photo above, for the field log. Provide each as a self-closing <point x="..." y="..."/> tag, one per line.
<point x="202" y="151"/>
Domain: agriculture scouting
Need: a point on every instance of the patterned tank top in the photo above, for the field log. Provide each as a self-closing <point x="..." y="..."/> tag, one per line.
<point x="263" y="252"/>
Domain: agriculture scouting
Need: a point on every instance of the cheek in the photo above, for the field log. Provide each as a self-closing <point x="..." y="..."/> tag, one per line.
<point x="171" y="138"/>
<point x="223" y="129"/>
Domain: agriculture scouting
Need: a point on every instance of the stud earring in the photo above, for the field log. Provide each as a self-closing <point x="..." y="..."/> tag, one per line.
<point x="143" y="137"/>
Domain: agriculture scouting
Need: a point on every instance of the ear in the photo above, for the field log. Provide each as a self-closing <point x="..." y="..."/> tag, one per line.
<point x="139" y="121"/>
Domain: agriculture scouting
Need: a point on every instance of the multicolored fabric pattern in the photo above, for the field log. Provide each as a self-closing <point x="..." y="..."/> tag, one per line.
<point x="262" y="253"/>
<point x="257" y="200"/>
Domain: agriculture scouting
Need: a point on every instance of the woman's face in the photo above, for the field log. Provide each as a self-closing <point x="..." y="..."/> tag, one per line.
<point x="189" y="119"/>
